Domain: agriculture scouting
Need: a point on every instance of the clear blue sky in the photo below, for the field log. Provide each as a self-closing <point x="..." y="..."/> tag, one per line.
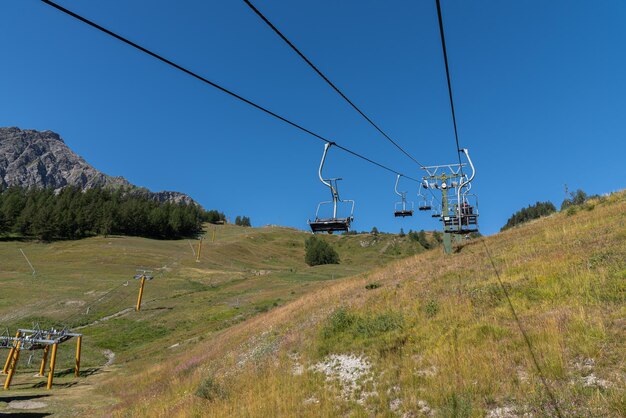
<point x="540" y="91"/>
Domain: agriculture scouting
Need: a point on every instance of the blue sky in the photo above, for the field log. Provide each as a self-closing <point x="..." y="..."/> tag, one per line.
<point x="540" y="95"/>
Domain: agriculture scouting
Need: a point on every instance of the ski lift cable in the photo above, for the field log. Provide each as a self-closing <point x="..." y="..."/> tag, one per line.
<point x="330" y="83"/>
<point x="445" y="60"/>
<point x="217" y="86"/>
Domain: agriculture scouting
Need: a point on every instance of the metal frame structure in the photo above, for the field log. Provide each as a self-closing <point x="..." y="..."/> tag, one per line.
<point x="457" y="215"/>
<point x="333" y="224"/>
<point x="403" y="212"/>
<point x="37" y="339"/>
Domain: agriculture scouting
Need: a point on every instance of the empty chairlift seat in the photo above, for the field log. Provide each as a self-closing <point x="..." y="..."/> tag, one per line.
<point x="333" y="223"/>
<point x="330" y="225"/>
<point x="401" y="209"/>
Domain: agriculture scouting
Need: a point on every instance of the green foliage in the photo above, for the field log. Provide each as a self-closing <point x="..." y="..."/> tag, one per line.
<point x="535" y="211"/>
<point x="457" y="406"/>
<point x="431" y="308"/>
<point x="575" y="199"/>
<point x="341" y="321"/>
<point x="401" y="234"/>
<point x="74" y="214"/>
<point x="421" y="238"/>
<point x="318" y="252"/>
<point x="372" y="286"/>
<point x="213" y="216"/>
<point x="374" y="231"/>
<point x="211" y="390"/>
<point x="242" y="221"/>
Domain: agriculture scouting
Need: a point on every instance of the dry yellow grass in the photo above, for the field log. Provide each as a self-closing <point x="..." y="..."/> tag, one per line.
<point x="454" y="351"/>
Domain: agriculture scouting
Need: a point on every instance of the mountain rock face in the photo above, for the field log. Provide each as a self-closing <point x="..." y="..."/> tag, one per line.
<point x="30" y="158"/>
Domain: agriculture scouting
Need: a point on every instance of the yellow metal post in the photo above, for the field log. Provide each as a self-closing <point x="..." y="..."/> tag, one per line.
<point x="199" y="249"/>
<point x="14" y="358"/>
<point x="53" y="360"/>
<point x="44" y="360"/>
<point x="143" y="282"/>
<point x="10" y="356"/>
<point x="78" y="346"/>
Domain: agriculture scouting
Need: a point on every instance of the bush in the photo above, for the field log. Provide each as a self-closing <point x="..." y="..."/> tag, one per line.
<point x="372" y="286"/>
<point x="575" y="199"/>
<point x="341" y="321"/>
<point x="421" y="238"/>
<point x="318" y="252"/>
<point x="431" y="308"/>
<point x="210" y="390"/>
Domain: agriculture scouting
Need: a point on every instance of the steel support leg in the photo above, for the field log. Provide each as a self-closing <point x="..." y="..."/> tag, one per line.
<point x="44" y="359"/>
<point x="10" y="356"/>
<point x="78" y="347"/>
<point x="12" y="366"/>
<point x="53" y="359"/>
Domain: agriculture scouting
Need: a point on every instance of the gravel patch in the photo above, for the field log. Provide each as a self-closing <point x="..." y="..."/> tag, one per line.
<point x="351" y="371"/>
<point x="27" y="405"/>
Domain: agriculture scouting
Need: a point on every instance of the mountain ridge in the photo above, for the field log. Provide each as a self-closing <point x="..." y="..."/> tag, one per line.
<point x="32" y="158"/>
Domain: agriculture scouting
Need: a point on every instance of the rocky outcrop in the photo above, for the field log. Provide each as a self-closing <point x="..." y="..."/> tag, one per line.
<point x="30" y="158"/>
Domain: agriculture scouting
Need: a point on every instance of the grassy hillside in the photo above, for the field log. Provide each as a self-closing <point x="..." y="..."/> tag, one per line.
<point x="243" y="272"/>
<point x="437" y="338"/>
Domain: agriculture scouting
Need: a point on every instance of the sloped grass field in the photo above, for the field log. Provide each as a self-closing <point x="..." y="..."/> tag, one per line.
<point x="434" y="336"/>
<point x="88" y="285"/>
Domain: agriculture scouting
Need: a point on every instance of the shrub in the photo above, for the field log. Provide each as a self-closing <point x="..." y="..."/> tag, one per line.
<point x="431" y="308"/>
<point x="372" y="286"/>
<point x="575" y="199"/>
<point x="210" y="390"/>
<point x="341" y="321"/>
<point x="318" y="252"/>
<point x="421" y="238"/>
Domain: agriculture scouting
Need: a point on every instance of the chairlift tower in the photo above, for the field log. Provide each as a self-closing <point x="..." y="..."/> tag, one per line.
<point x="458" y="216"/>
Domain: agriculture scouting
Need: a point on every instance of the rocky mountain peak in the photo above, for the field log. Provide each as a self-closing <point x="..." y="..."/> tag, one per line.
<point x="31" y="158"/>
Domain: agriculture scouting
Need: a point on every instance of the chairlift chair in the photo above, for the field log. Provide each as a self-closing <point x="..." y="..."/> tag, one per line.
<point x="423" y="204"/>
<point x="402" y="212"/>
<point x="334" y="223"/>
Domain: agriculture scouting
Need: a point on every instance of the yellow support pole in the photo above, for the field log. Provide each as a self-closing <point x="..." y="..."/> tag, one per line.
<point x="14" y="358"/>
<point x="213" y="237"/>
<point x="143" y="281"/>
<point x="53" y="360"/>
<point x="10" y="356"/>
<point x="44" y="359"/>
<point x="78" y="346"/>
<point x="199" y="249"/>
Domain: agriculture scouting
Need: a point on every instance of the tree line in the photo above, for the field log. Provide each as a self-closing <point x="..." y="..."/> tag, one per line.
<point x="72" y="214"/>
<point x="531" y="212"/>
<point x="540" y="209"/>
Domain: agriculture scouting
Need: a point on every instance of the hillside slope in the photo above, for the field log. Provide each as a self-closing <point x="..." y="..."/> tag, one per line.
<point x="437" y="338"/>
<point x="87" y="285"/>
